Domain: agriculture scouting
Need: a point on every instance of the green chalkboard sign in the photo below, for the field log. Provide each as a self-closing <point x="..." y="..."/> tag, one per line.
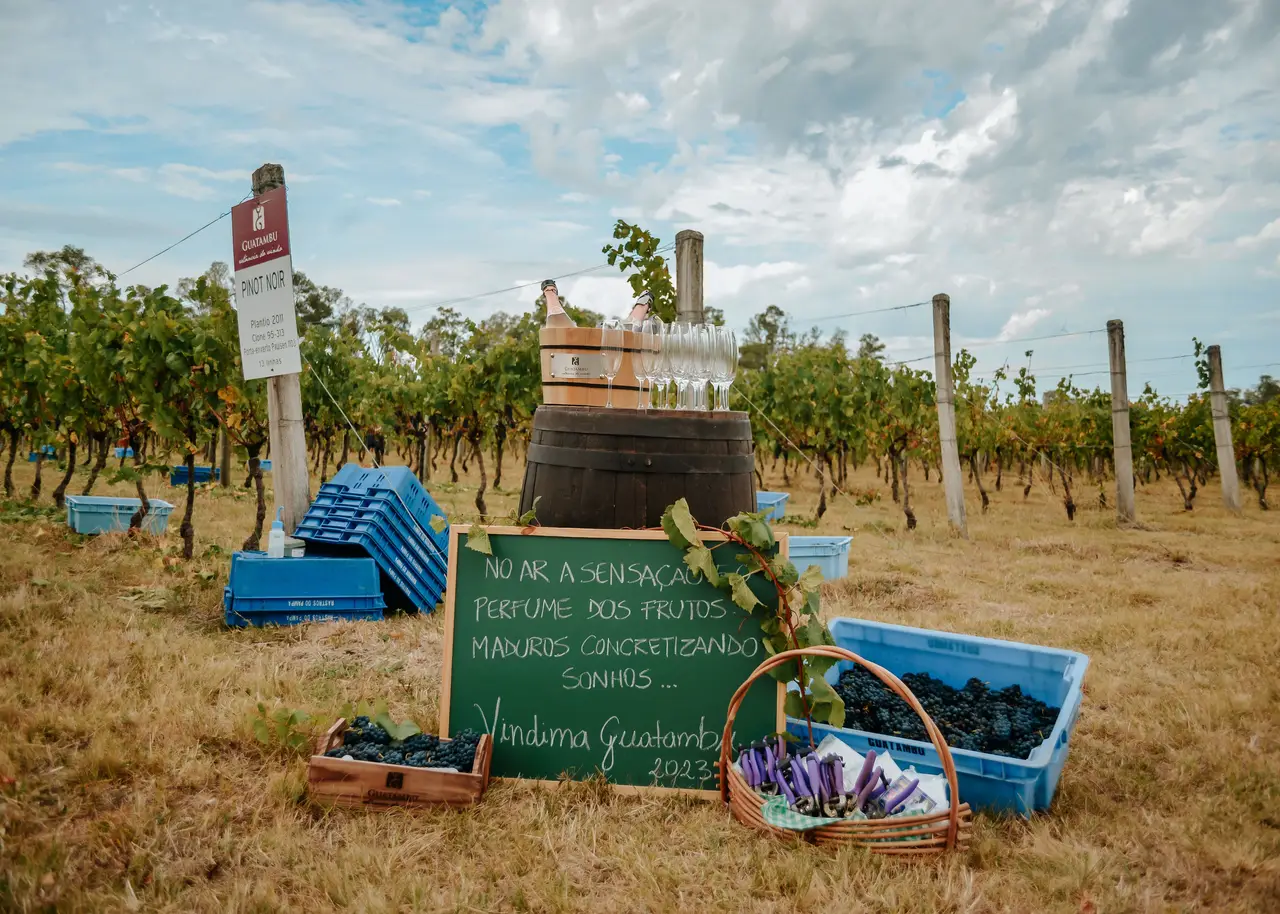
<point x="586" y="651"/>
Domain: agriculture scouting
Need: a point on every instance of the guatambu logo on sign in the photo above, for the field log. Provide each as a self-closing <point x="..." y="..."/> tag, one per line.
<point x="259" y="218"/>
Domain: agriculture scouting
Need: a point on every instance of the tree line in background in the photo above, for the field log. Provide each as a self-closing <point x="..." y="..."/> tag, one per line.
<point x="87" y="366"/>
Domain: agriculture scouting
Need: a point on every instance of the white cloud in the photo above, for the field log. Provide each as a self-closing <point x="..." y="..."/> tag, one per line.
<point x="562" y="225"/>
<point x="1020" y="323"/>
<point x="383" y="201"/>
<point x="607" y="295"/>
<point x="1269" y="232"/>
<point x="727" y="282"/>
<point x="176" y="179"/>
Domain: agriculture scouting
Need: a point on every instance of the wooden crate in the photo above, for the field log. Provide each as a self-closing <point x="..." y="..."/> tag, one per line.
<point x="373" y="784"/>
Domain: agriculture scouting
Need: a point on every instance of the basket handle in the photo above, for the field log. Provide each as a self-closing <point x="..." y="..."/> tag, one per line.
<point x="895" y="685"/>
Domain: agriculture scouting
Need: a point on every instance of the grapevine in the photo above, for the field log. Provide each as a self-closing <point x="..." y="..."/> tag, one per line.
<point x="86" y="364"/>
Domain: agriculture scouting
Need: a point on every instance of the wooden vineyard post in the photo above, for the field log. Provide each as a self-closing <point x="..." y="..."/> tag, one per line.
<point x="1222" y="432"/>
<point x="952" y="480"/>
<point x="291" y="478"/>
<point x="689" y="276"/>
<point x="1122" y="448"/>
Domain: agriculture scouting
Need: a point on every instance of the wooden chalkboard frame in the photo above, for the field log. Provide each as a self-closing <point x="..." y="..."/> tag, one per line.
<point x="446" y="671"/>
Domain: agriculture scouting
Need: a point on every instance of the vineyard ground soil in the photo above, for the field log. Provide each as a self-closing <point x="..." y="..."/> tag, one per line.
<point x="131" y="779"/>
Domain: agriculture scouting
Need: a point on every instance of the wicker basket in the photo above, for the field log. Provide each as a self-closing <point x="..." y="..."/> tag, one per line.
<point x="906" y="836"/>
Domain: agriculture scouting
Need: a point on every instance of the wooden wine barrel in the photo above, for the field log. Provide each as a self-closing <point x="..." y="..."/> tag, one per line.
<point x="621" y="468"/>
<point x="571" y="369"/>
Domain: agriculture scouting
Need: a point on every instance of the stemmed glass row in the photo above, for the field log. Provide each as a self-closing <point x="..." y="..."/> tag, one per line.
<point x="682" y="358"/>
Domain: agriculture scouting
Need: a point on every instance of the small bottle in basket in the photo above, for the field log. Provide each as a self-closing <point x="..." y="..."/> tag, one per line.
<point x="556" y="315"/>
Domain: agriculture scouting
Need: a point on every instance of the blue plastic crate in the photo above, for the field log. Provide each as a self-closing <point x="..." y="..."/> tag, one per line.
<point x="995" y="783"/>
<point x="401" y="590"/>
<point x="288" y="591"/>
<point x="402" y="486"/>
<point x="415" y="582"/>
<point x="411" y="585"/>
<point x="178" y="476"/>
<point x="774" y="502"/>
<point x="265" y="465"/>
<point x="829" y="553"/>
<point x="386" y="513"/>
<point x="92" y="514"/>
<point x="380" y="506"/>
<point x="48" y="451"/>
<point x="276" y="612"/>
<point x="123" y="451"/>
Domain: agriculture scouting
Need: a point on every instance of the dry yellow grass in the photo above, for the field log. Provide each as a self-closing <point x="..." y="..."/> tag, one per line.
<point x="132" y="782"/>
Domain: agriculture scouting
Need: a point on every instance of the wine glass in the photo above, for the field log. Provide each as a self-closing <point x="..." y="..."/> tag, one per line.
<point x="681" y="360"/>
<point x="730" y="364"/>
<point x="719" y="363"/>
<point x="647" y="358"/>
<point x="612" y="339"/>
<point x="702" y="363"/>
<point x="662" y="359"/>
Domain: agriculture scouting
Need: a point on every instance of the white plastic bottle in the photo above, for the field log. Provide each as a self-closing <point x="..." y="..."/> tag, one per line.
<point x="275" y="539"/>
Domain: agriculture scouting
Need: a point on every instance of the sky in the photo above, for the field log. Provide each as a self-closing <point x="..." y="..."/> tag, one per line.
<point x="1049" y="164"/>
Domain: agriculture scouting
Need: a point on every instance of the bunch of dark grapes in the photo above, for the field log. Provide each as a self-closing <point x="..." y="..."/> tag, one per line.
<point x="420" y="742"/>
<point x="365" y="741"/>
<point x="361" y="752"/>
<point x="363" y="730"/>
<point x="1003" y="722"/>
<point x="459" y="752"/>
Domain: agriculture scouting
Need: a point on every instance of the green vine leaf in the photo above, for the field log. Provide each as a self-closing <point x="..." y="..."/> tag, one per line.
<point x="397" y="731"/>
<point x="438" y="523"/>
<point x="784" y="571"/>
<point x="829" y="712"/>
<point x="741" y="593"/>
<point x="679" y="526"/>
<point x="811" y="580"/>
<point x="776" y="643"/>
<point x="786" y="672"/>
<point x="822" y="690"/>
<point x="531" y="515"/>
<point x="754" y="530"/>
<point x="793" y="705"/>
<point x="815" y="633"/>
<point x="478" y="540"/>
<point x="818" y="666"/>
<point x="702" y="562"/>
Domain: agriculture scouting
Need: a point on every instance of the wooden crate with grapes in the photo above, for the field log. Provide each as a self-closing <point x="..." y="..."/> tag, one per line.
<point x="350" y="774"/>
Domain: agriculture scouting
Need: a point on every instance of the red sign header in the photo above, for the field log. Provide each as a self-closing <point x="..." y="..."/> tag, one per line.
<point x="260" y="229"/>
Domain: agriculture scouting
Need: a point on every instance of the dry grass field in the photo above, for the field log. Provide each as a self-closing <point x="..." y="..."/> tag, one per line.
<point x="131" y="780"/>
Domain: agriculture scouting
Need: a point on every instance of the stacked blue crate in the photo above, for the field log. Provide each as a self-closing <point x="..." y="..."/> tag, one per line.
<point x="386" y="514"/>
<point x="290" y="591"/>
